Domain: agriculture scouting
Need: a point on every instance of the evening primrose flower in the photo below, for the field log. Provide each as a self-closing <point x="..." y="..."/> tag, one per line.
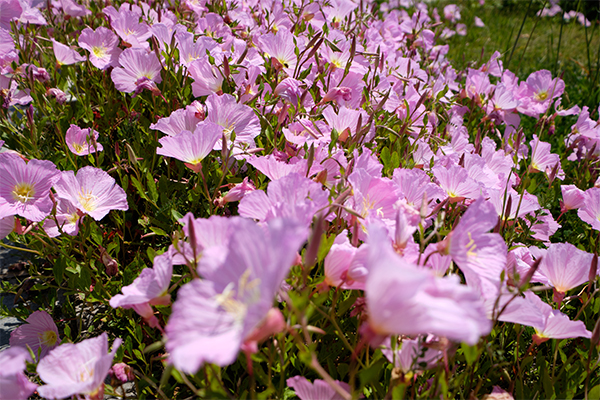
<point x="150" y="288"/>
<point x="229" y="310"/>
<point x="82" y="141"/>
<point x="77" y="369"/>
<point x="39" y="333"/>
<point x="65" y="55"/>
<point x="14" y="384"/>
<point x="25" y="187"/>
<point x="191" y="148"/>
<point x="93" y="191"/>
<point x="102" y="45"/>
<point x="139" y="70"/>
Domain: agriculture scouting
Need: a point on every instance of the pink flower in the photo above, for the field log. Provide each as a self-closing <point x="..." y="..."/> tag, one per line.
<point x="25" y="187"/>
<point x="140" y="70"/>
<point x="77" y="369"/>
<point x="318" y="390"/>
<point x="39" y="332"/>
<point x="233" y="117"/>
<point x="183" y="119"/>
<point x="573" y="198"/>
<point x="65" y="55"/>
<point x="129" y="28"/>
<point x="213" y="317"/>
<point x="403" y="299"/>
<point x="150" y="288"/>
<point x="292" y="196"/>
<point x="67" y="218"/>
<point x="92" y="191"/>
<point x="590" y="211"/>
<point x="456" y="182"/>
<point x="344" y="265"/>
<point x="480" y="255"/>
<point x="556" y="325"/>
<point x="102" y="45"/>
<point x="207" y="78"/>
<point x="9" y="10"/>
<point x="411" y="354"/>
<point x="73" y="9"/>
<point x="191" y="148"/>
<point x="14" y="384"/>
<point x="82" y="141"/>
<point x="280" y="48"/>
<point x="122" y="372"/>
<point x="7" y="225"/>
<point x="565" y="266"/>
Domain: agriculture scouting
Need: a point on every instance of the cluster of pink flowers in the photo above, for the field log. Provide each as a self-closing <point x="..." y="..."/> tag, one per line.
<point x="323" y="90"/>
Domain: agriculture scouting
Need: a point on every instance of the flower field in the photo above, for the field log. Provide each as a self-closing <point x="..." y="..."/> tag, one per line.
<point x="295" y="199"/>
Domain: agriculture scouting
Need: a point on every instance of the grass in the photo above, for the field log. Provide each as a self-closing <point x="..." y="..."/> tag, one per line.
<point x="565" y="48"/>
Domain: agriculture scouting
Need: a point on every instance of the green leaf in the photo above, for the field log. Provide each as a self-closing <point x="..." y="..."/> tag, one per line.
<point x="471" y="353"/>
<point x="151" y="187"/>
<point x="371" y="374"/>
<point x="594" y="392"/>
<point x="326" y="243"/>
<point x="59" y="269"/>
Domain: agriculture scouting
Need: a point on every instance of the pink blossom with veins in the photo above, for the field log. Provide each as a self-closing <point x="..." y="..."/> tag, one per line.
<point x="183" y="119"/>
<point x="102" y="45"/>
<point x="275" y="169"/>
<point x="25" y="187"/>
<point x="403" y="299"/>
<point x="207" y="78"/>
<point x="556" y="325"/>
<point x="280" y="48"/>
<point x="9" y="10"/>
<point x="318" y="390"/>
<point x="344" y="265"/>
<point x="292" y="196"/>
<point x="456" y="183"/>
<point x="127" y="25"/>
<point x="139" y="70"/>
<point x="410" y="354"/>
<point x="93" y="191"/>
<point x="229" y="309"/>
<point x="82" y="141"/>
<point x="73" y="9"/>
<point x="479" y="254"/>
<point x="224" y="110"/>
<point x="148" y="289"/>
<point x="67" y="218"/>
<point x="8" y="51"/>
<point x="65" y="55"/>
<point x="590" y="211"/>
<point x="77" y="369"/>
<point x="39" y="332"/>
<point x="191" y="148"/>
<point x="565" y="267"/>
<point x="542" y="159"/>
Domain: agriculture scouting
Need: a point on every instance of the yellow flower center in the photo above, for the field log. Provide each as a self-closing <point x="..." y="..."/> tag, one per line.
<point x="541" y="96"/>
<point x="49" y="338"/>
<point x="87" y="201"/>
<point x="23" y="192"/>
<point x="99" y="52"/>
<point x="78" y="148"/>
